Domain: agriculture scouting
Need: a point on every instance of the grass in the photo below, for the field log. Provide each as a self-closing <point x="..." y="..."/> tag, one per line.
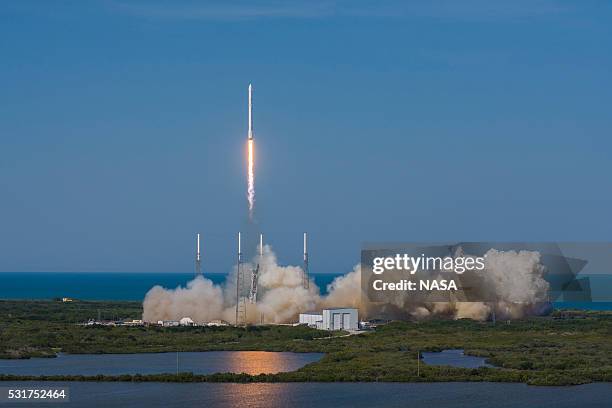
<point x="563" y="349"/>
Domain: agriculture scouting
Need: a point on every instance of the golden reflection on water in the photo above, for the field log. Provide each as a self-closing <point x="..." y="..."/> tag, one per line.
<point x="256" y="395"/>
<point x="257" y="362"/>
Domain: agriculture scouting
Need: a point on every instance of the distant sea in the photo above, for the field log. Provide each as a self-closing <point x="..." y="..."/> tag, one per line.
<point x="105" y="285"/>
<point x="134" y="285"/>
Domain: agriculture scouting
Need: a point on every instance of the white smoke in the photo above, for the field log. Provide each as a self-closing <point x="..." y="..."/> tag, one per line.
<point x="515" y="277"/>
<point x="280" y="296"/>
<point x="201" y="300"/>
<point x="345" y="291"/>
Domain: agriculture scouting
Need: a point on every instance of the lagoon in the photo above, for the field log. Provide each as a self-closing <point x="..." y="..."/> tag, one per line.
<point x="208" y="362"/>
<point x="454" y="358"/>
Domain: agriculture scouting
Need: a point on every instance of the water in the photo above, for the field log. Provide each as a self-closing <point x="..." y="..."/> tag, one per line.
<point x="583" y="305"/>
<point x="250" y="362"/>
<point x="134" y="286"/>
<point x="454" y="358"/>
<point x="103" y="285"/>
<point x="323" y="395"/>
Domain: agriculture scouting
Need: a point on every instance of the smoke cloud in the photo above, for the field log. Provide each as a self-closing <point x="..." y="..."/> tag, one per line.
<point x="517" y="279"/>
<point x="201" y="300"/>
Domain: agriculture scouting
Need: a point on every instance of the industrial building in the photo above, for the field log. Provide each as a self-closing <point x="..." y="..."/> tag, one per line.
<point x="332" y="319"/>
<point x="312" y="319"/>
<point x="133" y="322"/>
<point x="168" y="323"/>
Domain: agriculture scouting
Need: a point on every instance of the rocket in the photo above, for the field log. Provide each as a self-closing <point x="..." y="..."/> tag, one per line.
<point x="250" y="134"/>
<point x="251" y="158"/>
<point x="198" y="249"/>
<point x="198" y="259"/>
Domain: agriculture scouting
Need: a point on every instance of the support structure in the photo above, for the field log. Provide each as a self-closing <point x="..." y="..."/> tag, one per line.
<point x="198" y="259"/>
<point x="255" y="273"/>
<point x="305" y="273"/>
<point x="240" y="299"/>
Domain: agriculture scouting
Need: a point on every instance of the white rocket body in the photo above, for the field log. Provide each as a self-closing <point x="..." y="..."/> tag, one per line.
<point x="250" y="134"/>
<point x="198" y="249"/>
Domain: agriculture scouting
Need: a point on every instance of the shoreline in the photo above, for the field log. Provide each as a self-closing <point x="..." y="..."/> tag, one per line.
<point x="568" y="347"/>
<point x="230" y="378"/>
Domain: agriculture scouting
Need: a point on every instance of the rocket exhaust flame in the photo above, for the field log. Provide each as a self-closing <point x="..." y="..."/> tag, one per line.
<point x="251" y="158"/>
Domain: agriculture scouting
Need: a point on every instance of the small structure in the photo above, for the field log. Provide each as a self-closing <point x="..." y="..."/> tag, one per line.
<point x="217" y="322"/>
<point x="168" y="323"/>
<point x="133" y="322"/>
<point x="186" y="321"/>
<point x="67" y="299"/>
<point x="311" y="319"/>
<point x="365" y="325"/>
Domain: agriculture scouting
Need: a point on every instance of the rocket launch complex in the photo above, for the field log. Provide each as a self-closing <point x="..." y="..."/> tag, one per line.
<point x="242" y="281"/>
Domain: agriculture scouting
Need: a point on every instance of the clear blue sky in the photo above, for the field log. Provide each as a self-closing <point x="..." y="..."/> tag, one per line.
<point x="123" y="123"/>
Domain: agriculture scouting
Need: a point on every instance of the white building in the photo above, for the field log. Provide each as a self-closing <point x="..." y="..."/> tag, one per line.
<point x="168" y="323"/>
<point x="312" y="319"/>
<point x="133" y="322"/>
<point x="340" y="319"/>
<point x="332" y="319"/>
<point x="217" y="322"/>
<point x="186" y="321"/>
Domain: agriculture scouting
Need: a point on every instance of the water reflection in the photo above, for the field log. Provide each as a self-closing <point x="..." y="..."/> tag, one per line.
<point x="261" y="362"/>
<point x="454" y="358"/>
<point x="250" y="362"/>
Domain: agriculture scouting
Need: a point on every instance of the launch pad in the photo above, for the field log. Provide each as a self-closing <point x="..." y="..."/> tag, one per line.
<point x="247" y="278"/>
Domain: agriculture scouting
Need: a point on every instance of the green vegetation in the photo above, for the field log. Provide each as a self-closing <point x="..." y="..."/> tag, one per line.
<point x="42" y="329"/>
<point x="569" y="347"/>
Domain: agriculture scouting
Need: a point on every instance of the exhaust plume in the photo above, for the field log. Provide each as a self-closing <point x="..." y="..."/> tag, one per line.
<point x="251" y="177"/>
<point x="517" y="278"/>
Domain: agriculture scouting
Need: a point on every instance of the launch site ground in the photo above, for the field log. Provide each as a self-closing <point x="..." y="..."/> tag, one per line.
<point x="565" y="348"/>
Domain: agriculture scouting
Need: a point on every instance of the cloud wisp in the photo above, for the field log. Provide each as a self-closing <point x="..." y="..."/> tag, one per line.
<point x="476" y="10"/>
<point x="226" y="11"/>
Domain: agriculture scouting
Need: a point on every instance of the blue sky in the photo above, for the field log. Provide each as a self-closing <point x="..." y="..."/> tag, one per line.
<point x="123" y="125"/>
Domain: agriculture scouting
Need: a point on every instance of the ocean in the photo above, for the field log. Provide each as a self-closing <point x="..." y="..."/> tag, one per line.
<point x="134" y="286"/>
<point x="104" y="285"/>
